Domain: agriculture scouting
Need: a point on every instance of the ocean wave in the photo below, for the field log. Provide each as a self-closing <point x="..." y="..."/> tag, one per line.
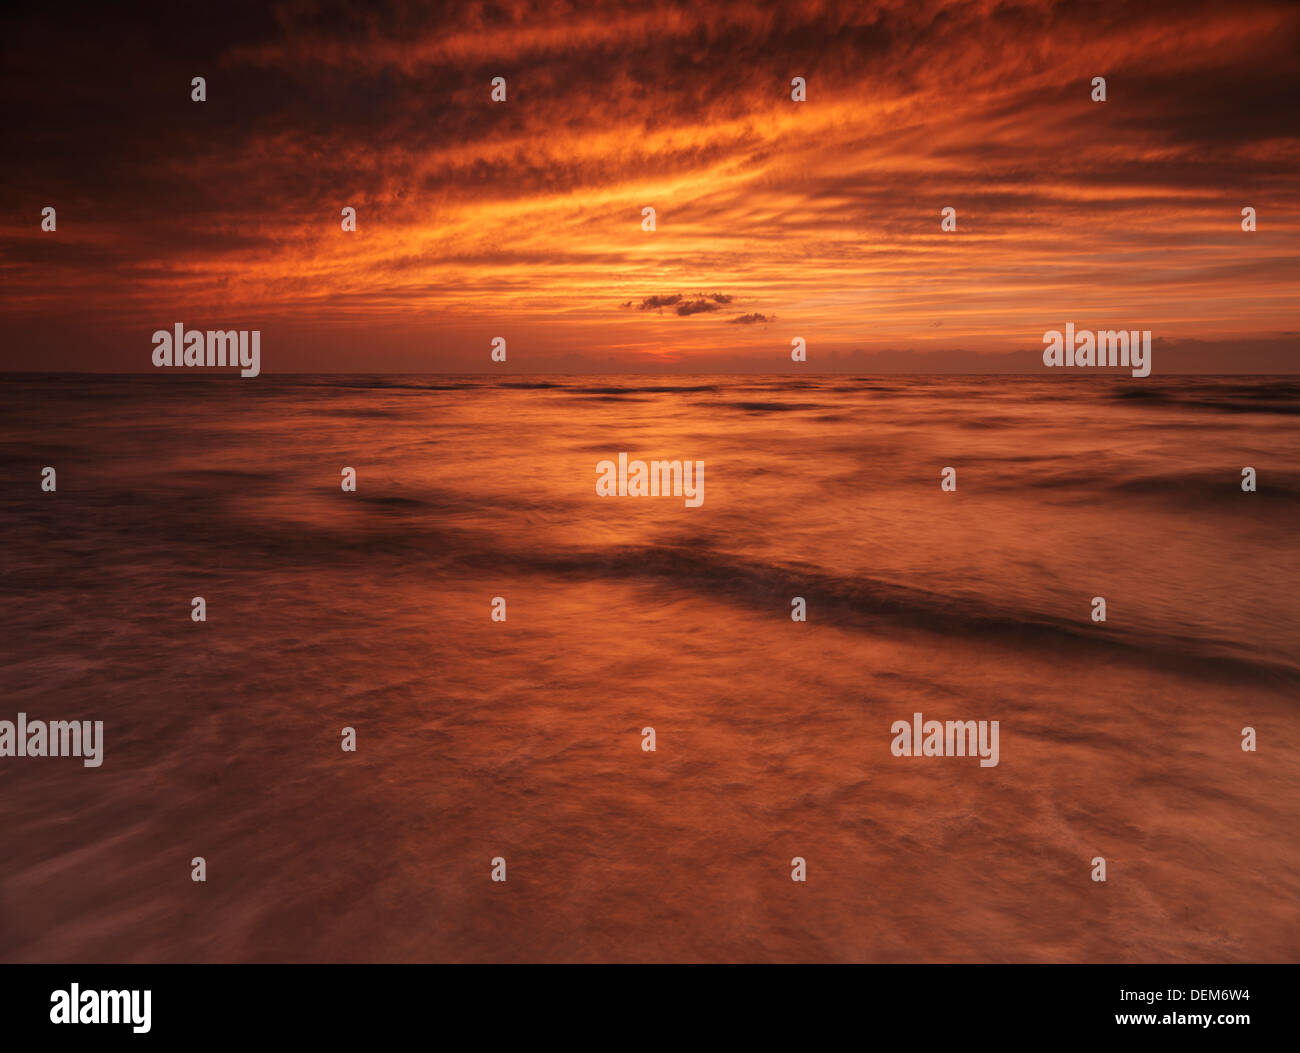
<point x="1267" y="397"/>
<point x="868" y="604"/>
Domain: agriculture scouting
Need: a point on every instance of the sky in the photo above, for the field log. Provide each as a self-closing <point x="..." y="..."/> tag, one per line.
<point x="775" y="219"/>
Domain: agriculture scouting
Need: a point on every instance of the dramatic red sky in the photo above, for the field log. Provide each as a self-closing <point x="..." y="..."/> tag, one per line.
<point x="775" y="219"/>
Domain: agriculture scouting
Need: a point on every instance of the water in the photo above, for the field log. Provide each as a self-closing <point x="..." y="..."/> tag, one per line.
<point x="478" y="739"/>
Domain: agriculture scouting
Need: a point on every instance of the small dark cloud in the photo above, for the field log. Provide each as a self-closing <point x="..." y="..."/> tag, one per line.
<point x="658" y="303"/>
<point x="697" y="307"/>
<point x="685" y="304"/>
<point x="753" y="319"/>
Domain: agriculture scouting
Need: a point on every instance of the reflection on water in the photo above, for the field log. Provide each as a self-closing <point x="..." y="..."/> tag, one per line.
<point x="371" y="610"/>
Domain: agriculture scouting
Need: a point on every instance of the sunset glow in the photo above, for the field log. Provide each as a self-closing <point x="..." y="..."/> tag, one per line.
<point x="775" y="219"/>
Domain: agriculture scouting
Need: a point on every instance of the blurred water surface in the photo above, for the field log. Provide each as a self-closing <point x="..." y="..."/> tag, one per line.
<point x="478" y="739"/>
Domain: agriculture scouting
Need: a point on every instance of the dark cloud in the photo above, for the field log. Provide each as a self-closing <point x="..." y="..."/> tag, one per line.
<point x="697" y="307"/>
<point x="753" y="319"/>
<point x="684" y="303"/>
<point x="657" y="303"/>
